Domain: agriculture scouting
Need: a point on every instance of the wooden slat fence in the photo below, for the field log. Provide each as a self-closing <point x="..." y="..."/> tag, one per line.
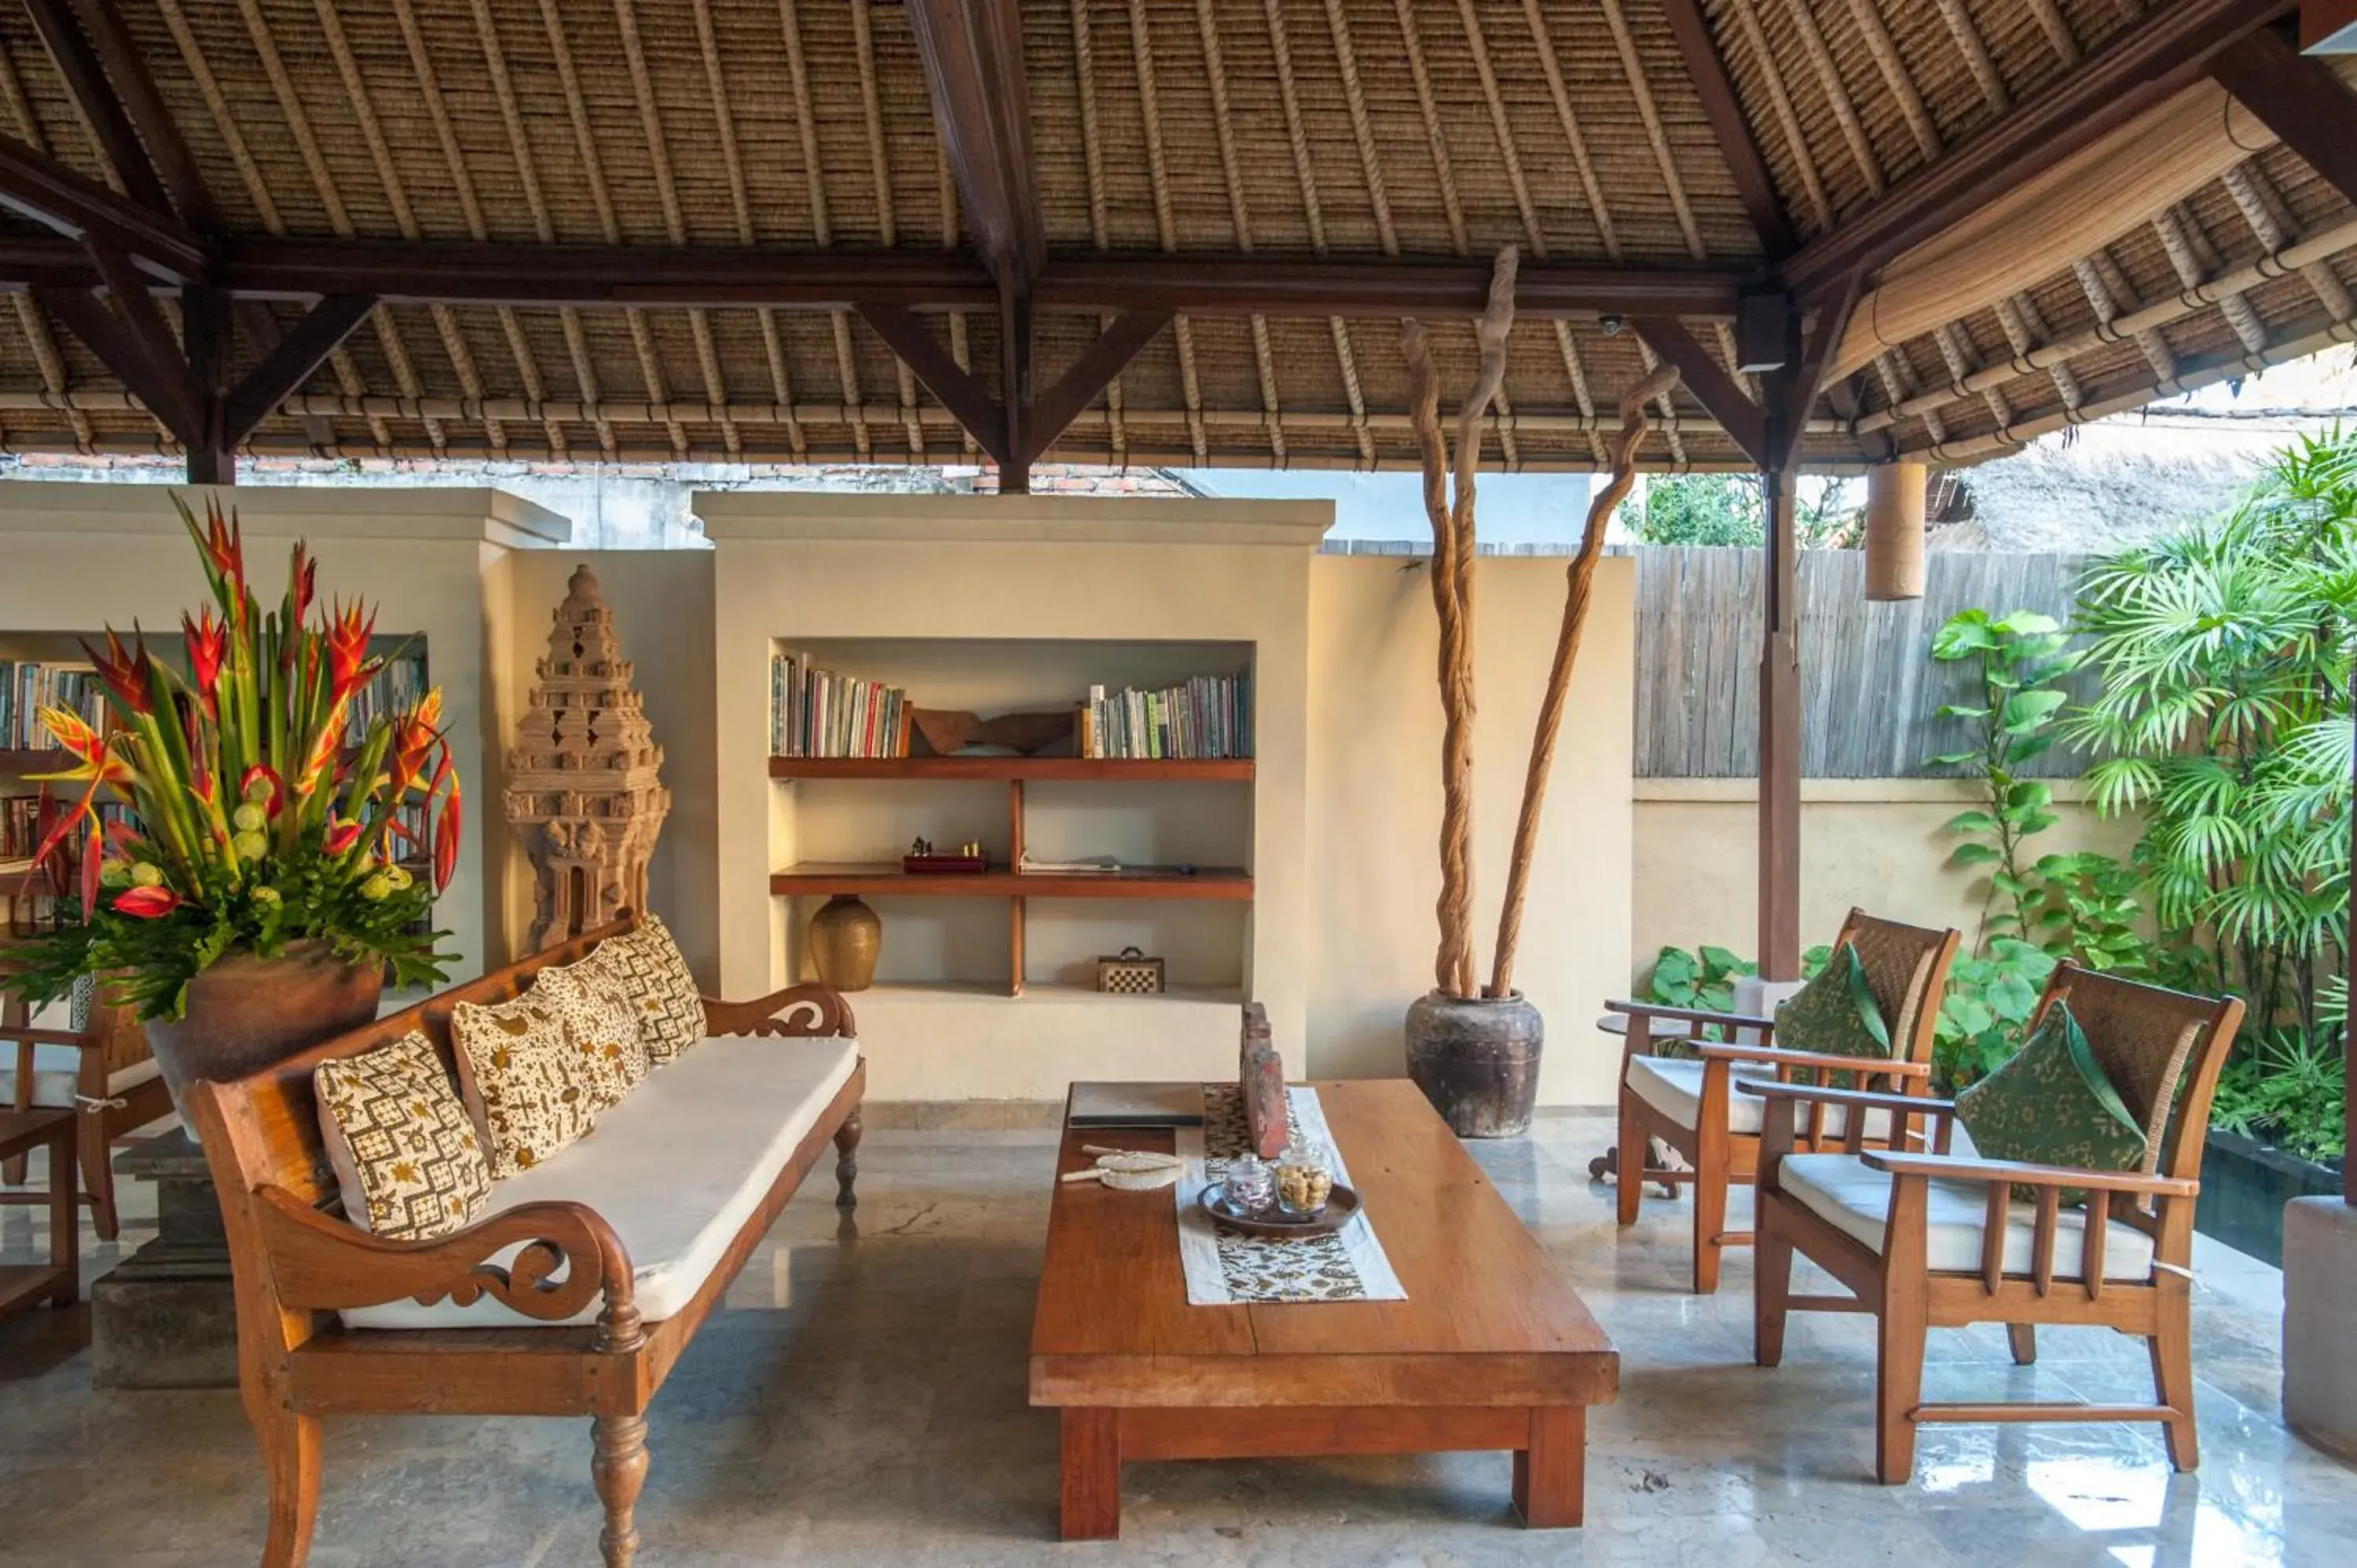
<point x="1869" y="685"/>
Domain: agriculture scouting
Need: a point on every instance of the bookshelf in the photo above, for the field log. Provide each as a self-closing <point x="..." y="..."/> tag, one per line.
<point x="1181" y="829"/>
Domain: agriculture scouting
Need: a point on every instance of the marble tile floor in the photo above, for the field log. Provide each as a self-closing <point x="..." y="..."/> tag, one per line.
<point x="863" y="1403"/>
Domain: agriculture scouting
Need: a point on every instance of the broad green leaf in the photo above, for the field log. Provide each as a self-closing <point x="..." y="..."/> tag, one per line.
<point x="2025" y="710"/>
<point x="1973" y="854"/>
<point x="1971" y="823"/>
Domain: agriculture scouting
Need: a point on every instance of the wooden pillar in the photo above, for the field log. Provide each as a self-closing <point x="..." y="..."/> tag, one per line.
<point x="1780" y="736"/>
<point x="1894" y="530"/>
<point x="206" y="334"/>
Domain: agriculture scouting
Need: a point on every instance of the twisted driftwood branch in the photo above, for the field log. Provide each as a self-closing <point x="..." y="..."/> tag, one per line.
<point x="1453" y="545"/>
<point x="1582" y="575"/>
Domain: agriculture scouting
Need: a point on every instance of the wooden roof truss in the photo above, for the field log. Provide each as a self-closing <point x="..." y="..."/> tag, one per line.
<point x="1129" y="231"/>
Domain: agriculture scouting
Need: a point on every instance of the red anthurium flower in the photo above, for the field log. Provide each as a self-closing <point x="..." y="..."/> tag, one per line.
<point x="342" y="836"/>
<point x="272" y="802"/>
<point x="349" y="630"/>
<point x="146" y="903"/>
<point x="124" y="670"/>
<point x="445" y="838"/>
<point x="207" y="652"/>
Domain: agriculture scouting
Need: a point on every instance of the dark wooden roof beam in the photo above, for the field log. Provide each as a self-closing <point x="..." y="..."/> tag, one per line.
<point x="38" y="187"/>
<point x="2297" y="98"/>
<point x="972" y="53"/>
<point x="2145" y="63"/>
<point x="117" y="95"/>
<point x="1754" y="182"/>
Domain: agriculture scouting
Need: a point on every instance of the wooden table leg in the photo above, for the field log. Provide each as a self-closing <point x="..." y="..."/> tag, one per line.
<point x="1092" y="1490"/>
<point x="1551" y="1474"/>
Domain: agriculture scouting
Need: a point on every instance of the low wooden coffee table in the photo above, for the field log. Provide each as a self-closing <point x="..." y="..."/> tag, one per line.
<point x="1491" y="1349"/>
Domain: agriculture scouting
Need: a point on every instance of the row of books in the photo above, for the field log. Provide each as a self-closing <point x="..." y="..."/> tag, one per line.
<point x="817" y="712"/>
<point x="393" y="690"/>
<point x="27" y="686"/>
<point x="1208" y="716"/>
<point x="21" y="825"/>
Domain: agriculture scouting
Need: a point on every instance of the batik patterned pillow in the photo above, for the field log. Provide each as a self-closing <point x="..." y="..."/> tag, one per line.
<point x="1835" y="1015"/>
<point x="408" y="1160"/>
<point x="609" y="1053"/>
<point x="2051" y="1105"/>
<point x="532" y="1088"/>
<point x="647" y="969"/>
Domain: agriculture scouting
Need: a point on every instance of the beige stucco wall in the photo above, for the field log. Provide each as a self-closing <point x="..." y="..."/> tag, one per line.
<point x="1876" y="843"/>
<point x="1375" y="806"/>
<point x="75" y="557"/>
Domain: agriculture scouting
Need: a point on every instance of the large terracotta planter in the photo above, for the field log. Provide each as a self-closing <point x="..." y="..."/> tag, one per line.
<point x="1477" y="1060"/>
<point x="245" y="1014"/>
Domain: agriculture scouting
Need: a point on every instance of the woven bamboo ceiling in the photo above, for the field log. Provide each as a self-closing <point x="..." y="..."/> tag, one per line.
<point x="811" y="229"/>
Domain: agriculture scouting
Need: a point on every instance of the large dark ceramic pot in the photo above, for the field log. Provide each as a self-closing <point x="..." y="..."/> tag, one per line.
<point x="1477" y="1060"/>
<point x="246" y="1013"/>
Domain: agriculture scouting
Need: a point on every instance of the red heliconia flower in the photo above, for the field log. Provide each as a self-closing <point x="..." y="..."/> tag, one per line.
<point x="319" y="767"/>
<point x="207" y="652"/>
<point x="202" y="783"/>
<point x="445" y="836"/>
<point x="124" y="670"/>
<point x="342" y="836"/>
<point x="272" y="802"/>
<point x="224" y="546"/>
<point x="413" y="734"/>
<point x="73" y="735"/>
<point x="302" y="582"/>
<point x="349" y="630"/>
<point x="146" y="903"/>
<point x="94" y="762"/>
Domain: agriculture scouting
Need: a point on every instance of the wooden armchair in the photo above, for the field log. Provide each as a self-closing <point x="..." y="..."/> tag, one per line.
<point x="1935" y="1240"/>
<point x="1686" y="1102"/>
<point x="104" y="1069"/>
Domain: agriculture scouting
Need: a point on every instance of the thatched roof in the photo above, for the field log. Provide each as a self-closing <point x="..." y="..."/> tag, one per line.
<point x="1234" y="137"/>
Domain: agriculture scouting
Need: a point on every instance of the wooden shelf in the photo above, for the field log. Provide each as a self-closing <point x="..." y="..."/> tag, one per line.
<point x="827" y="880"/>
<point x="50" y="760"/>
<point x="1038" y="769"/>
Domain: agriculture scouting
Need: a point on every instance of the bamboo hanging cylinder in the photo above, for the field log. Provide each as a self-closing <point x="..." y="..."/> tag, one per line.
<point x="1894" y="530"/>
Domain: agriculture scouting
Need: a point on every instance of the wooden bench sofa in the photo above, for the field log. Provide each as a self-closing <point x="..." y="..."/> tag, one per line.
<point x="538" y="1308"/>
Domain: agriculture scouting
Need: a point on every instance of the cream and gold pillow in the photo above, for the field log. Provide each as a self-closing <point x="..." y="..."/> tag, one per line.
<point x="646" y="974"/>
<point x="406" y="1156"/>
<point x="607" y="1052"/>
<point x="532" y="1084"/>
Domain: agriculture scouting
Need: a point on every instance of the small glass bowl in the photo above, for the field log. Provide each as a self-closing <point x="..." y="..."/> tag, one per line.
<point x="1304" y="1179"/>
<point x="1250" y="1183"/>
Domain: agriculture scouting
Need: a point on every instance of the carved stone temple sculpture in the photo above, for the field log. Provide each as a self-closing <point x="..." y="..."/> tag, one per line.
<point x="584" y="787"/>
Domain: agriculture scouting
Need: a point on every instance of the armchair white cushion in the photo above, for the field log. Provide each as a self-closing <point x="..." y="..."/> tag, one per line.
<point x="1672" y="1086"/>
<point x="1855" y="1198"/>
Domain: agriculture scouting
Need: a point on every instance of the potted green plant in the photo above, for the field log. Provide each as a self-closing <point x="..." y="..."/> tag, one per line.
<point x="256" y="896"/>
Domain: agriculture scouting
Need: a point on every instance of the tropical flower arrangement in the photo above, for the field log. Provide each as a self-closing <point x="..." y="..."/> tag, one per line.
<point x="253" y="826"/>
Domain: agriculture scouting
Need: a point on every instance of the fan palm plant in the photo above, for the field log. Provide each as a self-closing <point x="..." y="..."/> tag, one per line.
<point x="2225" y="718"/>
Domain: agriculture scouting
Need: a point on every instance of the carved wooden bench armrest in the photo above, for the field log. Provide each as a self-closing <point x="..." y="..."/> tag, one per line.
<point x="322" y="1263"/>
<point x="798" y="1010"/>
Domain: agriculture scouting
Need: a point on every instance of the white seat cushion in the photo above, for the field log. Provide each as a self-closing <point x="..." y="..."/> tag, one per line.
<point x="676" y="1169"/>
<point x="1851" y="1195"/>
<point x="56" y="1070"/>
<point x="1672" y="1086"/>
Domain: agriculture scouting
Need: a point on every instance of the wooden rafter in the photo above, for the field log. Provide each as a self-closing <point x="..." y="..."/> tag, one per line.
<point x="973" y="54"/>
<point x="1707" y="379"/>
<point x="110" y="79"/>
<point x="2144" y="65"/>
<point x="2299" y="99"/>
<point x="1753" y="180"/>
<point x="72" y="204"/>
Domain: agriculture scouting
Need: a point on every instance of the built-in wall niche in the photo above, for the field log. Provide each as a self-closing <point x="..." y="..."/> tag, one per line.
<point x="1180" y="830"/>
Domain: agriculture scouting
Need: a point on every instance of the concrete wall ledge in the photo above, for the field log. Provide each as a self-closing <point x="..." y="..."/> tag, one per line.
<point x="738" y="515"/>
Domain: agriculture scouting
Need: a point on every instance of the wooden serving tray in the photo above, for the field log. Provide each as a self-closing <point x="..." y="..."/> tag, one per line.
<point x="1341" y="1208"/>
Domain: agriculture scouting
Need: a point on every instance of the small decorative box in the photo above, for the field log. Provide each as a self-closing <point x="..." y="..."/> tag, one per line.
<point x="1130" y="973"/>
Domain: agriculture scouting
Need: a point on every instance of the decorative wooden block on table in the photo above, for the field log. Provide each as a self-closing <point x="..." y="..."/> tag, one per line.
<point x="1261" y="1074"/>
